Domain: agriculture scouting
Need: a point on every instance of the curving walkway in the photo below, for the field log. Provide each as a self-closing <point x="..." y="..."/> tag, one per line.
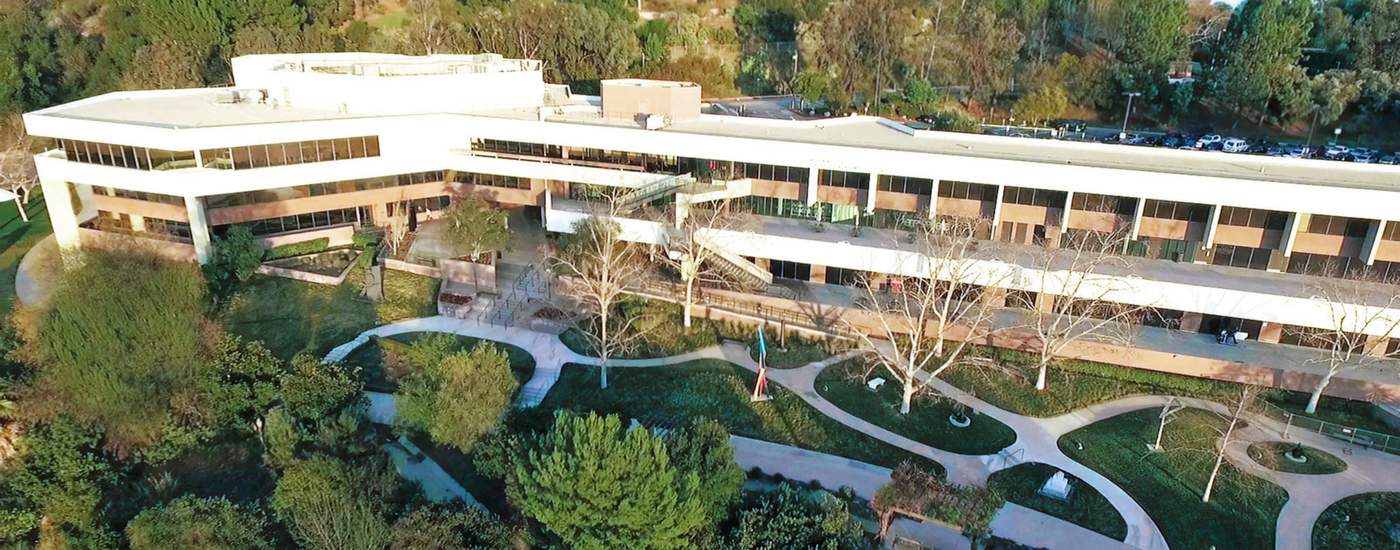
<point x="1037" y="441"/>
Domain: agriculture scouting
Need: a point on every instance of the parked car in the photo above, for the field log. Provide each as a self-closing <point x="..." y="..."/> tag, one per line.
<point x="1234" y="145"/>
<point x="1069" y="126"/>
<point x="1363" y="156"/>
<point x="1391" y="159"/>
<point x="1335" y="152"/>
<point x="1176" y="140"/>
<point x="1208" y="140"/>
<point x="1299" y="151"/>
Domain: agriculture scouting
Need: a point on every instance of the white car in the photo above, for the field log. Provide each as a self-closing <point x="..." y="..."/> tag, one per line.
<point x="1336" y="151"/>
<point x="1208" y="140"/>
<point x="1363" y="156"/>
<point x="1234" y="145"/>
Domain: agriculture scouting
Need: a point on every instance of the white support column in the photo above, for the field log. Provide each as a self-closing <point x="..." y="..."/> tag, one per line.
<point x="199" y="229"/>
<point x="1372" y="244"/>
<point x="138" y="223"/>
<point x="996" y="212"/>
<point x="1064" y="215"/>
<point x="933" y="200"/>
<point x="1212" y="221"/>
<point x="61" y="216"/>
<point x="1290" y="233"/>
<point x="1137" y="219"/>
<point x="811" y="196"/>
<point x="870" y="193"/>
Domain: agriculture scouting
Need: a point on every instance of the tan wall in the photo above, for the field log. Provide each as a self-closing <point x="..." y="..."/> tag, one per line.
<point x="625" y="99"/>
<point x="1253" y="237"/>
<point x="1331" y="245"/>
<point x="906" y="202"/>
<point x="964" y="208"/>
<point x="1106" y="222"/>
<point x="340" y="235"/>
<point x="291" y="207"/>
<point x="777" y="189"/>
<point x="509" y="197"/>
<point x="173" y="212"/>
<point x="1162" y="228"/>
<point x="840" y="195"/>
<point x="1388" y="251"/>
<point x="1034" y="215"/>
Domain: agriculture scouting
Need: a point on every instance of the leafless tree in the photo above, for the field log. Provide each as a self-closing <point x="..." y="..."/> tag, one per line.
<point x="694" y="249"/>
<point x="599" y="265"/>
<point x="1074" y="300"/>
<point x="1361" y="313"/>
<point x="915" y="324"/>
<point x="433" y="26"/>
<point x="1234" y="416"/>
<point x="17" y="172"/>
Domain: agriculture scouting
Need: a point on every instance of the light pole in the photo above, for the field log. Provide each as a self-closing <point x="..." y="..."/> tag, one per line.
<point x="1338" y="139"/>
<point x="1126" y="113"/>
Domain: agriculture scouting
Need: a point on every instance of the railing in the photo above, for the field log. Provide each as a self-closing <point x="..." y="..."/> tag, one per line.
<point x="777" y="315"/>
<point x="1350" y="434"/>
<point x="760" y="276"/>
<point x="657" y="189"/>
<point x="531" y="285"/>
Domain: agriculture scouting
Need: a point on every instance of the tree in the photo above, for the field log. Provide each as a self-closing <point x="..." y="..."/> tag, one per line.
<point x="458" y="400"/>
<point x="578" y="44"/>
<point x="790" y="518"/>
<point x="164" y="65"/>
<point x="322" y="412"/>
<point x="31" y="73"/>
<point x="714" y="77"/>
<point x="192" y="522"/>
<point x="692" y="248"/>
<point x="1045" y="103"/>
<point x="914" y="325"/>
<point x="861" y="42"/>
<point x="980" y="52"/>
<point x="1150" y="37"/>
<point x="237" y="256"/>
<point x="703" y="448"/>
<point x="1234" y="417"/>
<point x="1360" y="316"/>
<point x="1266" y="38"/>
<point x="448" y="527"/>
<point x="1378" y="38"/>
<point x="120" y="345"/>
<point x="434" y="26"/>
<point x="922" y="494"/>
<point x="18" y="174"/>
<point x="596" y="485"/>
<point x="1073" y="300"/>
<point x="474" y="228"/>
<point x="59" y="481"/>
<point x="323" y="506"/>
<point x="601" y="265"/>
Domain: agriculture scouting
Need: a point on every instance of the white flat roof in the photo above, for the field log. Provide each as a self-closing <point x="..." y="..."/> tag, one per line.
<point x="193" y="108"/>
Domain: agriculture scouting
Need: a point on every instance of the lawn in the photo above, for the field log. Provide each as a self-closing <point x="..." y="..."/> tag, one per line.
<point x="1086" y="508"/>
<point x="927" y="422"/>
<point x="1271" y="455"/>
<point x="670" y="396"/>
<point x="293" y="316"/>
<point x="1360" y="522"/>
<point x="798" y="352"/>
<point x="16" y="238"/>
<point x="382" y="375"/>
<point x="1243" y="511"/>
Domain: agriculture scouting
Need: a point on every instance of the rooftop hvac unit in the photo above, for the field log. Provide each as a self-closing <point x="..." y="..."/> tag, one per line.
<point x="655" y="122"/>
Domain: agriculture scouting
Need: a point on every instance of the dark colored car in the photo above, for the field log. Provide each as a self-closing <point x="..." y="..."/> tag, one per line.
<point x="1070" y="126"/>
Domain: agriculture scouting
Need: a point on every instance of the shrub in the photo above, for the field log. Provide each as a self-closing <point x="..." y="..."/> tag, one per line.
<point x="191" y="522"/>
<point x="458" y="399"/>
<point x="297" y="249"/>
<point x="236" y="256"/>
<point x="789" y="518"/>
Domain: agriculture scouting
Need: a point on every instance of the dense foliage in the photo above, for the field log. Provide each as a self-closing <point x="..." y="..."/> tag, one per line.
<point x="455" y="397"/>
<point x="788" y="517"/>
<point x="189" y="522"/>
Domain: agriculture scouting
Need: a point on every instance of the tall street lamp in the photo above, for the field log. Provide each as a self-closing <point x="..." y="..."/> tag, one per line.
<point x="1126" y="113"/>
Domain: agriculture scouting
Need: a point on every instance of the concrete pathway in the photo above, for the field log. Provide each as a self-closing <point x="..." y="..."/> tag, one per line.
<point x="438" y="485"/>
<point x="31" y="284"/>
<point x="1037" y="441"/>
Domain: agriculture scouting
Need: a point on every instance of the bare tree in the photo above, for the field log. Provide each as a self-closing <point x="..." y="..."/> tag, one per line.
<point x="1361" y="314"/>
<point x="1074" y="300"/>
<point x="17" y="172"/>
<point x="693" y="251"/>
<point x="915" y="323"/>
<point x="396" y="228"/>
<point x="1234" y="417"/>
<point x="434" y="26"/>
<point x="600" y="264"/>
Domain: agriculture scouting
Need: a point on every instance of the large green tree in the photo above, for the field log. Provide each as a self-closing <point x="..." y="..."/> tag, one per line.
<point x="1266" y="41"/>
<point x="29" y="74"/>
<point x="325" y="506"/>
<point x="448" y="527"/>
<point x="579" y="44"/>
<point x="703" y="448"/>
<point x="192" y="522"/>
<point x="1151" y="36"/>
<point x="792" y="518"/>
<point x="597" y="485"/>
<point x="459" y="399"/>
<point x="59" y="481"/>
<point x="121" y="344"/>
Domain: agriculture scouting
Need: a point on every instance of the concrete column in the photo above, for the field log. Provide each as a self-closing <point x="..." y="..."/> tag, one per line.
<point x="1064" y="215"/>
<point x="870" y="193"/>
<point x="810" y="194"/>
<point x="1372" y="244"/>
<point x="1290" y="233"/>
<point x="199" y="229"/>
<point x="60" y="205"/>
<point x="138" y="223"/>
<point x="933" y="201"/>
<point x="1191" y="322"/>
<point x="996" y="213"/>
<point x="1212" y="222"/>
<point x="1270" y="333"/>
<point x="379" y="214"/>
<point x="1137" y="219"/>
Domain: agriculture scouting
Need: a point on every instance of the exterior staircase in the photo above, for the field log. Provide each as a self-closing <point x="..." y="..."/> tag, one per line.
<point x="742" y="272"/>
<point x="635" y="198"/>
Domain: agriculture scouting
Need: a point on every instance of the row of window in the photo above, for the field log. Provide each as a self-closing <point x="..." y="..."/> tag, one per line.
<point x="1094" y="202"/>
<point x="848" y="180"/>
<point x="706" y="169"/>
<point x="1172" y="210"/>
<point x="319" y="189"/>
<point x="140" y="195"/>
<point x="490" y="180"/>
<point x="1338" y="225"/>
<point x="269" y="226"/>
<point x="1033" y="197"/>
<point x="906" y="184"/>
<point x="120" y="222"/>
<point x="1253" y="217"/>
<point x="1242" y="256"/>
<point x="518" y="148"/>
<point x="125" y="156"/>
<point x="245" y="157"/>
<point x="965" y="190"/>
